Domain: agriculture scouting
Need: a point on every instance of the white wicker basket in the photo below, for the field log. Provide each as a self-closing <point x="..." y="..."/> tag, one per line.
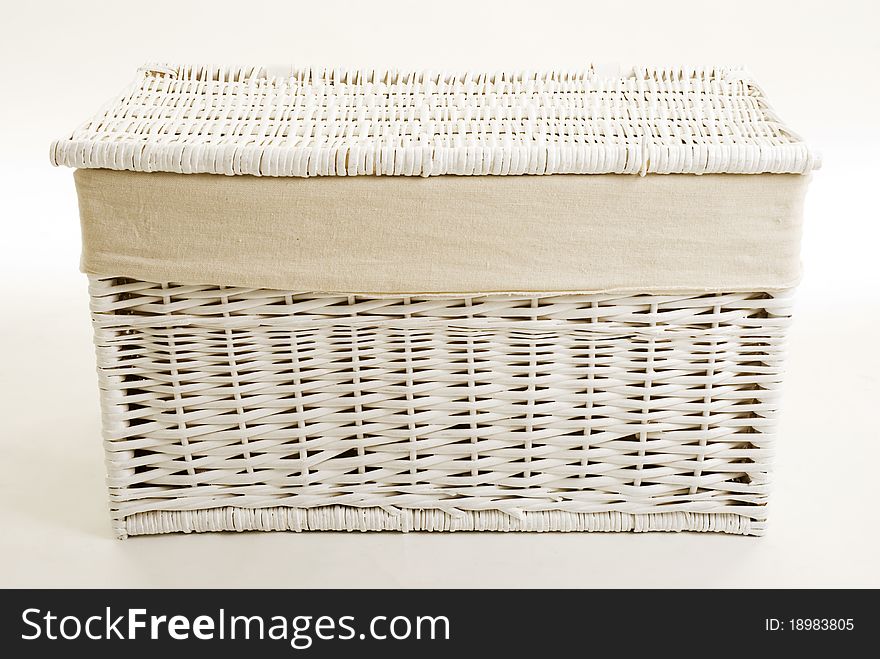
<point x="236" y="407"/>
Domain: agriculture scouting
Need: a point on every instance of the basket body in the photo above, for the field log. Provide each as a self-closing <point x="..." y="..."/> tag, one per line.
<point x="253" y="409"/>
<point x="438" y="300"/>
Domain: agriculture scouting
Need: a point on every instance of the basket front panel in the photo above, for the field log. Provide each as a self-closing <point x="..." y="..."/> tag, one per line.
<point x="220" y="399"/>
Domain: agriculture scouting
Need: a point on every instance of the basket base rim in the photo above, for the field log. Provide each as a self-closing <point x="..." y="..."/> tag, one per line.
<point x="351" y="518"/>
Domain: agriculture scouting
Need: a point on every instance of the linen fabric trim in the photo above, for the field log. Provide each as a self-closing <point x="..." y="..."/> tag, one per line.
<point x="446" y="234"/>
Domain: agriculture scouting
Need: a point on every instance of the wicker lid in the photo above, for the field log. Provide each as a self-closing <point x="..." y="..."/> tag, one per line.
<point x="332" y="122"/>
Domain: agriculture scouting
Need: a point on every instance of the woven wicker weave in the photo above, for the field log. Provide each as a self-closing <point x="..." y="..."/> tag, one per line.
<point x="233" y="409"/>
<point x="220" y="120"/>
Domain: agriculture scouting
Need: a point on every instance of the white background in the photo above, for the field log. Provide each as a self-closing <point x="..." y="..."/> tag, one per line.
<point x="818" y="63"/>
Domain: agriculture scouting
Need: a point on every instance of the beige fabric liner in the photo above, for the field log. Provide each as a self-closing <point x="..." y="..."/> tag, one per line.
<point x="446" y="234"/>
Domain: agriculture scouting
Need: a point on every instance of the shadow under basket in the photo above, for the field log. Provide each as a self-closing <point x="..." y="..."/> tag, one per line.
<point x="254" y="409"/>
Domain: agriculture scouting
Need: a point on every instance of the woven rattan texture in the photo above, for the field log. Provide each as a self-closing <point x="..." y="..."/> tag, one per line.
<point x="220" y="120"/>
<point x="230" y="408"/>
